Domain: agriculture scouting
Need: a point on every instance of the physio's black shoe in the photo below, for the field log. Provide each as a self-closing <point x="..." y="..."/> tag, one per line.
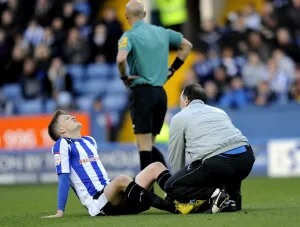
<point x="217" y="200"/>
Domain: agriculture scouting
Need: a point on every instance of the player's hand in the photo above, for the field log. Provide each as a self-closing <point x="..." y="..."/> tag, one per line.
<point x="59" y="214"/>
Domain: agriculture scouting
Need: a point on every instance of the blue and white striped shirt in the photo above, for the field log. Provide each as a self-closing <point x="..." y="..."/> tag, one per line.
<point x="80" y="159"/>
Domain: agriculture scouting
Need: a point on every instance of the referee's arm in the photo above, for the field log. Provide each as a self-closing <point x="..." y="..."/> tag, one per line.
<point x="184" y="48"/>
<point x="176" y="147"/>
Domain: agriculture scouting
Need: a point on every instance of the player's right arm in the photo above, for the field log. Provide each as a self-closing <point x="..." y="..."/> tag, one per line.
<point x="184" y="48"/>
<point x="60" y="152"/>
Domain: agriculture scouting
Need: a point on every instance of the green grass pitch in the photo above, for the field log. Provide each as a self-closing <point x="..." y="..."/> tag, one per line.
<point x="267" y="202"/>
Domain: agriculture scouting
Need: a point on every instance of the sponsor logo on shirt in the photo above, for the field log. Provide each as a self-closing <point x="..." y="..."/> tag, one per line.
<point x="86" y="160"/>
<point x="123" y="42"/>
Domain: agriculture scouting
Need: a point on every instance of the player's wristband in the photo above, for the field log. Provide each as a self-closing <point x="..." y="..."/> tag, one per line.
<point x="177" y="64"/>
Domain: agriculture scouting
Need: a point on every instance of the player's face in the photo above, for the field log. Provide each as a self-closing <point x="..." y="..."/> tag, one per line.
<point x="68" y="123"/>
<point x="183" y="101"/>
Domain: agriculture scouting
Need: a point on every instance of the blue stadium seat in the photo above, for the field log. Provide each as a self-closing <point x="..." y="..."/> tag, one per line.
<point x="115" y="117"/>
<point x="116" y="86"/>
<point x="50" y="106"/>
<point x="76" y="71"/>
<point x="115" y="102"/>
<point x="99" y="71"/>
<point x="12" y="91"/>
<point x="114" y="72"/>
<point x="30" y="106"/>
<point x="93" y="87"/>
<point x="85" y="103"/>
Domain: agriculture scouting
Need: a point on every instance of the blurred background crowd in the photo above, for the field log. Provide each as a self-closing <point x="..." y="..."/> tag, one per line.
<point x="61" y="54"/>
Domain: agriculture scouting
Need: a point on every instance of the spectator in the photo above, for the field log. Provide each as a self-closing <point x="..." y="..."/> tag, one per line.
<point x="83" y="6"/>
<point x="4" y="53"/>
<point x="252" y="18"/>
<point x="99" y="42"/>
<point x="202" y="68"/>
<point x="214" y="59"/>
<point x="254" y="71"/>
<point x="221" y="80"/>
<point x="34" y="33"/>
<point x="269" y="22"/>
<point x="42" y="57"/>
<point x="58" y="79"/>
<point x="285" y="63"/>
<point x="8" y="25"/>
<point x="30" y="82"/>
<point x="294" y="16"/>
<point x="294" y="93"/>
<point x="76" y="50"/>
<point x="229" y="63"/>
<point x="237" y="34"/>
<point x="81" y="22"/>
<point x="286" y="44"/>
<point x="236" y="97"/>
<point x="209" y="37"/>
<point x="13" y="68"/>
<point x="68" y="15"/>
<point x="190" y="77"/>
<point x="43" y="12"/>
<point x="114" y="33"/>
<point x="264" y="95"/>
<point x="278" y="80"/>
<point x="256" y="44"/>
<point x="59" y="34"/>
<point x="6" y="106"/>
<point x="212" y="93"/>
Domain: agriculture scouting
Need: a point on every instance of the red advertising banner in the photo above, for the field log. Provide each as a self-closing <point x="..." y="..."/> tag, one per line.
<point x="30" y="132"/>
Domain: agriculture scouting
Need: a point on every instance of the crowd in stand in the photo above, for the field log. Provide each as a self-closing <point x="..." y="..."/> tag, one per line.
<point x="253" y="59"/>
<point x="39" y="38"/>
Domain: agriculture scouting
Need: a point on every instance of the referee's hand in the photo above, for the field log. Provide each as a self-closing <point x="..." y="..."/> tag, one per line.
<point x="171" y="72"/>
<point x="128" y="80"/>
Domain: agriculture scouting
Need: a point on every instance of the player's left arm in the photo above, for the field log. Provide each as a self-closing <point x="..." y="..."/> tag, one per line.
<point x="62" y="163"/>
<point x="124" y="48"/>
<point x="176" y="146"/>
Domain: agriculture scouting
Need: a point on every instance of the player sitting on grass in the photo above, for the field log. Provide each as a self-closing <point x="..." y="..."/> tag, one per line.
<point x="78" y="165"/>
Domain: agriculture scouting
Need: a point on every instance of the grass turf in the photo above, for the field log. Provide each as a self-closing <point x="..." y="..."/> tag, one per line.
<point x="266" y="202"/>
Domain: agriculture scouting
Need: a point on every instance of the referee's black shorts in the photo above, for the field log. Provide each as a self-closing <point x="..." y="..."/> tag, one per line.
<point x="148" y="107"/>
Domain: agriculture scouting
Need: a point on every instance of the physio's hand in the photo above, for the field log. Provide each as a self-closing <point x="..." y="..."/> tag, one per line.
<point x="59" y="214"/>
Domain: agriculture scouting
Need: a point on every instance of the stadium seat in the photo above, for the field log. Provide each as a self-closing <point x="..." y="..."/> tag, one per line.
<point x="114" y="102"/>
<point x="76" y="71"/>
<point x="30" y="106"/>
<point x="93" y="87"/>
<point x="50" y="106"/>
<point x="116" y="86"/>
<point x="114" y="117"/>
<point x="12" y="91"/>
<point x="99" y="71"/>
<point x="85" y="103"/>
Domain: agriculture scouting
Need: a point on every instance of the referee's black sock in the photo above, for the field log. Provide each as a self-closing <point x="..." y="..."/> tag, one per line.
<point x="162" y="179"/>
<point x="157" y="156"/>
<point x="145" y="159"/>
<point x="137" y="194"/>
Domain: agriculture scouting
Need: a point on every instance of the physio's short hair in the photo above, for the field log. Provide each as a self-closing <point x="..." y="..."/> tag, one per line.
<point x="52" y="128"/>
<point x="195" y="91"/>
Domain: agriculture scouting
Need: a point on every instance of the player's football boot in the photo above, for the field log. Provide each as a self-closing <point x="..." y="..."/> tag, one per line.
<point x="184" y="208"/>
<point x="229" y="206"/>
<point x="216" y="202"/>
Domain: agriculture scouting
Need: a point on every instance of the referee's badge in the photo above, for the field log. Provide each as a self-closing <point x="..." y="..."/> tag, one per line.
<point x="123" y="42"/>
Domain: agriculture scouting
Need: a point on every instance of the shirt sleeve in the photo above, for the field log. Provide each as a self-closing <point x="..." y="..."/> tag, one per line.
<point x="175" y="38"/>
<point x="176" y="147"/>
<point x="63" y="190"/>
<point x="125" y="43"/>
<point x="61" y="155"/>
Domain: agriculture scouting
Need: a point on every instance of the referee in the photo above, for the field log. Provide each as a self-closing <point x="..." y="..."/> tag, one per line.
<point x="146" y="49"/>
<point x="220" y="154"/>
